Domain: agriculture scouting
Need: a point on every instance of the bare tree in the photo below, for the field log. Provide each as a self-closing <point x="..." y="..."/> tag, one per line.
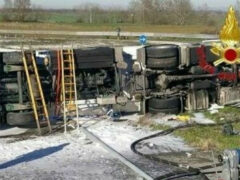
<point x="204" y="15"/>
<point x="7" y="7"/>
<point x="89" y="9"/>
<point x="22" y="4"/>
<point x="22" y="8"/>
<point x="8" y="4"/>
<point x="181" y="10"/>
<point x="135" y="9"/>
<point x="145" y="10"/>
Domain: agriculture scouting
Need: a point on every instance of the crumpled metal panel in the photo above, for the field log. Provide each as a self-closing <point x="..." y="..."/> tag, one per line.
<point x="228" y="95"/>
<point x="197" y="100"/>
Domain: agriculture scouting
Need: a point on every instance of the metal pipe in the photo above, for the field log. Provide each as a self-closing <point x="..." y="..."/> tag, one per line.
<point x="115" y="154"/>
<point x="186" y="77"/>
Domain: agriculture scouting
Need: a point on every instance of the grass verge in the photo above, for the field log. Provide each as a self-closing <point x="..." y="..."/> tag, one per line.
<point x="212" y="138"/>
<point x="205" y="138"/>
<point x="209" y="138"/>
<point x="188" y="29"/>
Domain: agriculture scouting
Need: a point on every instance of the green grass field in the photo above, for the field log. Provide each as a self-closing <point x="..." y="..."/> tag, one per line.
<point x="205" y="138"/>
<point x="212" y="138"/>
<point x="73" y="21"/>
<point x="190" y="29"/>
<point x="66" y="18"/>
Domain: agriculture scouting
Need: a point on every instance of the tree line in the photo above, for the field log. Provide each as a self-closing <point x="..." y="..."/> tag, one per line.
<point x="160" y="12"/>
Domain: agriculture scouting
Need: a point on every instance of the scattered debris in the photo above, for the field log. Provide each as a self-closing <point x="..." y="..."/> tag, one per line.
<point x="201" y="119"/>
<point x="184" y="118"/>
<point x="214" y="108"/>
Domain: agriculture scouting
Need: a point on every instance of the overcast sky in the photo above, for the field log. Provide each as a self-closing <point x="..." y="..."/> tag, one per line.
<point x="213" y="4"/>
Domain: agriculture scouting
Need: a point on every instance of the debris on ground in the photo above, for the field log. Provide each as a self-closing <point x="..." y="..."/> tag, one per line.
<point x="215" y="108"/>
<point x="200" y="118"/>
<point x="184" y="118"/>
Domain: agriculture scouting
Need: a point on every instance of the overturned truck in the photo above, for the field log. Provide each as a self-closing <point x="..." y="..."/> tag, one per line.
<point x="165" y="78"/>
<point x="173" y="78"/>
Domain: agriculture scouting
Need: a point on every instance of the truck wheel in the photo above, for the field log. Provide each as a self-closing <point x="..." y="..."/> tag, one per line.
<point x="162" y="63"/>
<point x="169" y="105"/>
<point x="101" y="57"/>
<point x="162" y="57"/>
<point x="164" y="111"/>
<point x="164" y="103"/>
<point x="24" y="119"/>
<point x="162" y="51"/>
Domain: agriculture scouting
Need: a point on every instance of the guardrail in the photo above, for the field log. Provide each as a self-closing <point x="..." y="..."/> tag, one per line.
<point x="110" y="33"/>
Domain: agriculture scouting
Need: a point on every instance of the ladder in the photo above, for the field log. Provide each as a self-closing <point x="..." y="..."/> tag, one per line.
<point x="35" y="91"/>
<point x="69" y="88"/>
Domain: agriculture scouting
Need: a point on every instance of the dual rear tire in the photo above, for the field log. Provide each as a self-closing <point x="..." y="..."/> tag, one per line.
<point x="163" y="57"/>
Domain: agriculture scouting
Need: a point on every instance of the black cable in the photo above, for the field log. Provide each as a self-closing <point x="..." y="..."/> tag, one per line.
<point x="193" y="171"/>
<point x="176" y="176"/>
<point x="186" y="174"/>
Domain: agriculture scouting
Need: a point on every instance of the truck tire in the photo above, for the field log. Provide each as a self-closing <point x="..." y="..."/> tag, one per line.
<point x="100" y="57"/>
<point x="96" y="51"/>
<point x="169" y="105"/>
<point x="162" y="51"/>
<point x="23" y="119"/>
<point x="164" y="111"/>
<point x="162" y="63"/>
<point x="94" y="65"/>
<point x="162" y="57"/>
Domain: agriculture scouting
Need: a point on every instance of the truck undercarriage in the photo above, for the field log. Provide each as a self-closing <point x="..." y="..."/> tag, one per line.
<point x="165" y="78"/>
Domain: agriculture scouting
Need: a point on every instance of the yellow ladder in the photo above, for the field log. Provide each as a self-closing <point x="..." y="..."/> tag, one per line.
<point x="35" y="91"/>
<point x="69" y="88"/>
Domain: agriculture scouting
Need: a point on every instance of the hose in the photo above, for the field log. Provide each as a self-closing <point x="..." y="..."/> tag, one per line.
<point x="192" y="171"/>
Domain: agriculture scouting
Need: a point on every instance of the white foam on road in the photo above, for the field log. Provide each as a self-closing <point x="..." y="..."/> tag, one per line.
<point x="44" y="158"/>
<point x="12" y="131"/>
<point x="59" y="157"/>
